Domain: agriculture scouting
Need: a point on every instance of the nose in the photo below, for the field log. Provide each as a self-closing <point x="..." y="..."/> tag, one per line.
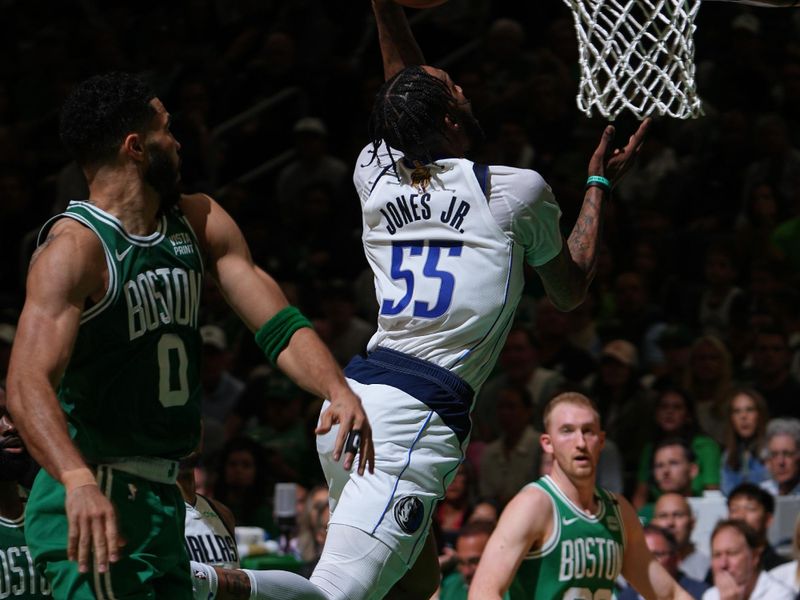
<point x="7" y="425"/>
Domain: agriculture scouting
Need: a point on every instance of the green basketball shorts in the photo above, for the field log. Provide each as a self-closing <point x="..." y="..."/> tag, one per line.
<point x="153" y="563"/>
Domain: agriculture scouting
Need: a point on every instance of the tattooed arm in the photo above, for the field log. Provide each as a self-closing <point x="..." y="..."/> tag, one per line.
<point x="566" y="277"/>
<point x="245" y="584"/>
<point x="233" y="584"/>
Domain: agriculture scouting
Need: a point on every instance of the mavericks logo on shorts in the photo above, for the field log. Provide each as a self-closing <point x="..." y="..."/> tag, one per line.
<point x="409" y="512"/>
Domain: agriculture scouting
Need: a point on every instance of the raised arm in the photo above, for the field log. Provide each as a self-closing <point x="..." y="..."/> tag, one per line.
<point x="399" y="49"/>
<point x="257" y="298"/>
<point x="639" y="566"/>
<point x="566" y="277"/>
<point x="525" y="521"/>
<point x="65" y="271"/>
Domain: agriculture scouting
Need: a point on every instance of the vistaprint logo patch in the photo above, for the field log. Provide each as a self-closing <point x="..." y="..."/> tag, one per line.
<point x="181" y="244"/>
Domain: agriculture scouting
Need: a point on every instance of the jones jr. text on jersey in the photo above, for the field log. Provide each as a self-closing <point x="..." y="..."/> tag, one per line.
<point x="417" y="207"/>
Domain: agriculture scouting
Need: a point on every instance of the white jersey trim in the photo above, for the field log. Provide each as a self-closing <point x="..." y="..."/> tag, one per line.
<point x="575" y="508"/>
<point x="112" y="292"/>
<point x="144" y="241"/>
<point x="551" y="543"/>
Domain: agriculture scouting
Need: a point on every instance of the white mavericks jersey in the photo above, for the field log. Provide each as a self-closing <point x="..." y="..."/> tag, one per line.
<point x="208" y="540"/>
<point x="448" y="257"/>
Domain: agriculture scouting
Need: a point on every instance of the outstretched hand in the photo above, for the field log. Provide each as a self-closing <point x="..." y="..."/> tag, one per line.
<point x="613" y="165"/>
<point x="354" y="429"/>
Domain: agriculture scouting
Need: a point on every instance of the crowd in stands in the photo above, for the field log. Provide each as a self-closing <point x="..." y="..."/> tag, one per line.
<point x="689" y="342"/>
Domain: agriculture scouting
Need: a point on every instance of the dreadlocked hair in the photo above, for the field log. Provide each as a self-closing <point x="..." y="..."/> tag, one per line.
<point x="409" y="113"/>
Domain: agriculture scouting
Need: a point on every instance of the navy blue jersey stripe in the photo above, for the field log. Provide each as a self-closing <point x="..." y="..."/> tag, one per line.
<point x="445" y="393"/>
<point x="482" y="175"/>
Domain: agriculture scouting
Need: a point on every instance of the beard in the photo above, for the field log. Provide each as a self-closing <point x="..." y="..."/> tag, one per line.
<point x="472" y="128"/>
<point x="16" y="467"/>
<point x="163" y="175"/>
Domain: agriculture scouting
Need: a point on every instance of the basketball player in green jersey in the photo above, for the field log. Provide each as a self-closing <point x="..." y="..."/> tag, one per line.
<point x="563" y="538"/>
<point x="18" y="577"/>
<point x="110" y="320"/>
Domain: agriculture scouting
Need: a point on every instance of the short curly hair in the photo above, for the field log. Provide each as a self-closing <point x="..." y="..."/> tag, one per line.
<point x="100" y="112"/>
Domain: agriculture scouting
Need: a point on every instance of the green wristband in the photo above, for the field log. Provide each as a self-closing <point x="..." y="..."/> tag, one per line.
<point x="274" y="335"/>
<point x="598" y="181"/>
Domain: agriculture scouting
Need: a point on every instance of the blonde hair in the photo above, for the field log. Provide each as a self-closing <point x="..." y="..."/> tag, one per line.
<point x="574" y="398"/>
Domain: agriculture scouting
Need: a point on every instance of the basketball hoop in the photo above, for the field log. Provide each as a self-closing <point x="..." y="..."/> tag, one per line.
<point x="637" y="55"/>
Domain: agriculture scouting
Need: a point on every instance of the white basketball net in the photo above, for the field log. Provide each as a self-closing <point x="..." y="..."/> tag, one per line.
<point x="637" y="54"/>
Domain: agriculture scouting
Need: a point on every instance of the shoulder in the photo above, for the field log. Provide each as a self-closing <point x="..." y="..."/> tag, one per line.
<point x="70" y="252"/>
<point x="768" y="586"/>
<point x="528" y="186"/>
<point x="628" y="514"/>
<point x="196" y="207"/>
<point x="785" y="572"/>
<point x="704" y="443"/>
<point x="223" y="511"/>
<point x="533" y="502"/>
<point x="529" y="514"/>
<point x="371" y="164"/>
<point x="211" y="222"/>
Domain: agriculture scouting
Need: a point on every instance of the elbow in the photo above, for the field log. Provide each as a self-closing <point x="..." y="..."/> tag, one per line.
<point x="13" y="397"/>
<point x="566" y="304"/>
<point x="570" y="299"/>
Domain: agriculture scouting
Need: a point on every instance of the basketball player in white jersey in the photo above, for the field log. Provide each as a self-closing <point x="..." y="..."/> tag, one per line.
<point x="209" y="524"/>
<point x="447" y="241"/>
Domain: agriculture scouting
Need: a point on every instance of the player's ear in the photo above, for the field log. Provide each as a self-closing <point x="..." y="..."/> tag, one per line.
<point x="133" y="146"/>
<point x="451" y="122"/>
<point x="546" y="443"/>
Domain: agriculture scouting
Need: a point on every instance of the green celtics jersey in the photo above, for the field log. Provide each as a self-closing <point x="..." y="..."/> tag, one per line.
<point x="18" y="578"/>
<point x="583" y="556"/>
<point x="132" y="385"/>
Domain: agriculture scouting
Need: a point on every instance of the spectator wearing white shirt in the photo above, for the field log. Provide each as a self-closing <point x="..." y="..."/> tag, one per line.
<point x="789" y="573"/>
<point x="673" y="513"/>
<point x="736" y="566"/>
<point x="783" y="457"/>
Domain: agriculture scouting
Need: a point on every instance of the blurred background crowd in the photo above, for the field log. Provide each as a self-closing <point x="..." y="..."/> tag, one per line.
<point x="689" y="341"/>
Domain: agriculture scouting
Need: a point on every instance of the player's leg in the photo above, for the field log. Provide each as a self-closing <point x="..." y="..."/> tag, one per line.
<point x="167" y="545"/>
<point x="379" y="521"/>
<point x="422" y="579"/>
<point x="145" y="517"/>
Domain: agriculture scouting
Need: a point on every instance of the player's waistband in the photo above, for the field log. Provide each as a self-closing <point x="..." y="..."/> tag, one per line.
<point x="443" y="391"/>
<point x="159" y="470"/>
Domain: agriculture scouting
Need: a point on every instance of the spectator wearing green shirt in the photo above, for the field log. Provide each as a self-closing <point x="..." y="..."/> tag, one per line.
<point x="469" y="547"/>
<point x="675" y="418"/>
<point x="674" y="467"/>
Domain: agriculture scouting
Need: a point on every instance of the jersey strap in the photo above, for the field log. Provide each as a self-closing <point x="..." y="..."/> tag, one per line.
<point x="482" y="175"/>
<point x="442" y="391"/>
